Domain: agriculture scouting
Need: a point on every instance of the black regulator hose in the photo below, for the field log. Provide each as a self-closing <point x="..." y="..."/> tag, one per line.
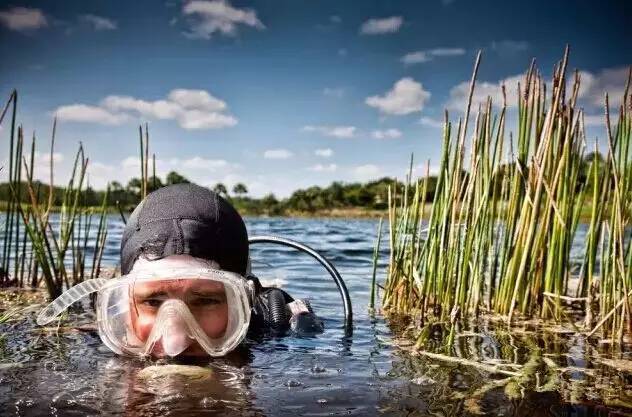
<point x="342" y="288"/>
<point x="277" y="310"/>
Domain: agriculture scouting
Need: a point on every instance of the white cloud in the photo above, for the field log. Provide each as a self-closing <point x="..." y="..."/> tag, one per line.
<point x="387" y="134"/>
<point x="337" y="92"/>
<point x="200" y="163"/>
<point x="430" y="122"/>
<point x="407" y="96"/>
<point x="324" y="153"/>
<point x="277" y="154"/>
<point x="366" y="172"/>
<point x="206" y="18"/>
<point x="200" y="99"/>
<point x="419" y="57"/>
<point x="198" y="169"/>
<point x="483" y="89"/>
<point x="23" y="19"/>
<point x="342" y="132"/>
<point x="335" y="19"/>
<point x="591" y="92"/>
<point x="342" y="52"/>
<point x="57" y="157"/>
<point x="196" y="119"/>
<point x="323" y="168"/>
<point x="447" y="51"/>
<point x="595" y="85"/>
<point x="89" y="114"/>
<point x="381" y="26"/>
<point x="98" y="23"/>
<point x="192" y="109"/>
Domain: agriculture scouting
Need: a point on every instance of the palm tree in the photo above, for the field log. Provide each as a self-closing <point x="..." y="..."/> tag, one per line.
<point x="220" y="189"/>
<point x="240" y="189"/>
<point x="175" y="178"/>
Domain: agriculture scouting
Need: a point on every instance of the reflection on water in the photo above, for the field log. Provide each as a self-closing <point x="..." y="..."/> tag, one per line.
<point x="67" y="371"/>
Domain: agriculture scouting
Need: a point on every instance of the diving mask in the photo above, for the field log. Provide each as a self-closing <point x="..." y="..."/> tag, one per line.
<point x="165" y="307"/>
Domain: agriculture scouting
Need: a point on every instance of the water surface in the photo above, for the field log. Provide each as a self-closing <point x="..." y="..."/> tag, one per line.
<point x="67" y="371"/>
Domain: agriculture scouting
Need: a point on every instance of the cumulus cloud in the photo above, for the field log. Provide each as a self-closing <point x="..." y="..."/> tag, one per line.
<point x="206" y="18"/>
<point x="323" y="168"/>
<point x="387" y="134"/>
<point x="84" y="113"/>
<point x="44" y="158"/>
<point x="342" y="132"/>
<point x="459" y="93"/>
<point x="200" y="163"/>
<point x="23" y="19"/>
<point x="198" y="169"/>
<point x="192" y="109"/>
<point x="591" y="92"/>
<point x="595" y="85"/>
<point x="419" y="57"/>
<point x="324" y="153"/>
<point x="381" y="26"/>
<point x="407" y="96"/>
<point x="98" y="23"/>
<point x="277" y="154"/>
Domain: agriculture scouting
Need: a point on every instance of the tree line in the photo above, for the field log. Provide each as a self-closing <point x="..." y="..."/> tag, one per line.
<point x="371" y="195"/>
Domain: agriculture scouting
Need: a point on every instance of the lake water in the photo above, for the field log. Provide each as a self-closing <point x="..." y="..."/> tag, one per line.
<point x="70" y="372"/>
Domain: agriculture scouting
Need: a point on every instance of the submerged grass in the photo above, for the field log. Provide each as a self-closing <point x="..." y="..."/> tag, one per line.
<point x="499" y="234"/>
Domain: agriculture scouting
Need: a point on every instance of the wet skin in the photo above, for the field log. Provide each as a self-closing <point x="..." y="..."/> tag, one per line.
<point x="206" y="300"/>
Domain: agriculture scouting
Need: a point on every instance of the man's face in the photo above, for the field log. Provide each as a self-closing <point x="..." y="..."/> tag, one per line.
<point x="206" y="300"/>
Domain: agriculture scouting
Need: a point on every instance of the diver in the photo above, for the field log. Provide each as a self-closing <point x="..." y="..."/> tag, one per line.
<point x="186" y="287"/>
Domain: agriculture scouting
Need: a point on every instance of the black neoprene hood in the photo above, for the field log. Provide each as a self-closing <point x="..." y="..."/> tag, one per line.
<point x="186" y="219"/>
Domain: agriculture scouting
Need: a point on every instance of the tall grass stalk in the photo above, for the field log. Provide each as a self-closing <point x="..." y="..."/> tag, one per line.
<point x="34" y="247"/>
<point x="499" y="234"/>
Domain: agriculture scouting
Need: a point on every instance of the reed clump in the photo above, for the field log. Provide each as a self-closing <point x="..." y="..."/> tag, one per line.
<point x="38" y="247"/>
<point x="506" y="211"/>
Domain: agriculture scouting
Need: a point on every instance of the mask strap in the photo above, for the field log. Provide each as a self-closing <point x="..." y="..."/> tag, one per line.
<point x="69" y="297"/>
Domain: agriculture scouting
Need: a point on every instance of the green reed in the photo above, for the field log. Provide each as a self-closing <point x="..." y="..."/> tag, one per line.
<point x="33" y="248"/>
<point x="500" y="229"/>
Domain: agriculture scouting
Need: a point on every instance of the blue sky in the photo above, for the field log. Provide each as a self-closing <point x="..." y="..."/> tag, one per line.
<point x="282" y="95"/>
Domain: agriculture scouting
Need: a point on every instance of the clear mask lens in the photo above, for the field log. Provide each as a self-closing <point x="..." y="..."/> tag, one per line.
<point x="167" y="311"/>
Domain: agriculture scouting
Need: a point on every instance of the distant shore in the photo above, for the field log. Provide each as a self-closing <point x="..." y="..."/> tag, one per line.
<point x="335" y="213"/>
<point x="332" y="213"/>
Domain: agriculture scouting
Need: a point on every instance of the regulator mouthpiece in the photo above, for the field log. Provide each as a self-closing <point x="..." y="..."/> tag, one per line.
<point x="174" y="330"/>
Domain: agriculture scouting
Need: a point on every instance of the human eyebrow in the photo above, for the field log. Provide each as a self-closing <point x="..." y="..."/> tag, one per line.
<point x="209" y="292"/>
<point x="151" y="294"/>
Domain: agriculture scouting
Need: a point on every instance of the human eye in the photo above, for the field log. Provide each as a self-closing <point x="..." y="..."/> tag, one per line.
<point x="208" y="300"/>
<point x="152" y="302"/>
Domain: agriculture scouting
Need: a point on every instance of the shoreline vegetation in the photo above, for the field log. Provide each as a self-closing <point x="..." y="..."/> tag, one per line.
<point x="496" y="241"/>
<point x="490" y="254"/>
<point x="339" y="199"/>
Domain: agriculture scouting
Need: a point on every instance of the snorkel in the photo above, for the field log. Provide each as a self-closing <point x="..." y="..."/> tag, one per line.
<point x="189" y="235"/>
